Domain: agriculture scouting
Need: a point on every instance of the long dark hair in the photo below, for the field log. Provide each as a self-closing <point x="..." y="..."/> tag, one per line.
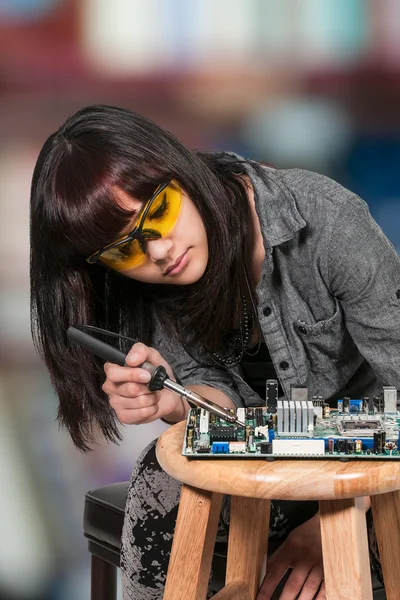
<point x="73" y="214"/>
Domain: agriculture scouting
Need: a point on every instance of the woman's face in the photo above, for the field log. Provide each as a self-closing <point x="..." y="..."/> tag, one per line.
<point x="179" y="258"/>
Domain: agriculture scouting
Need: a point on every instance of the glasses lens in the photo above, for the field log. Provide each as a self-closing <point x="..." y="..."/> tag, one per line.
<point x="164" y="211"/>
<point x="125" y="256"/>
<point x="159" y="221"/>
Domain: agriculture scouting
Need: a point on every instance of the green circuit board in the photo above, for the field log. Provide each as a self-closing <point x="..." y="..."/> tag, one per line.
<point x="367" y="428"/>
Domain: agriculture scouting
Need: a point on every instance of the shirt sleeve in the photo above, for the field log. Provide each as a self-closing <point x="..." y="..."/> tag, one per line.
<point x="195" y="368"/>
<point x="364" y="275"/>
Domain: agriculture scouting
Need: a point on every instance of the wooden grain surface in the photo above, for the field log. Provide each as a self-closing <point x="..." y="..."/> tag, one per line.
<point x="236" y="590"/>
<point x="345" y="549"/>
<point x="192" y="547"/>
<point x="282" y="479"/>
<point x="386" y="514"/>
<point x="248" y="541"/>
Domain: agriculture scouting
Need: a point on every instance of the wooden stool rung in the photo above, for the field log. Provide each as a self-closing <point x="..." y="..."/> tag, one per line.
<point x="235" y="590"/>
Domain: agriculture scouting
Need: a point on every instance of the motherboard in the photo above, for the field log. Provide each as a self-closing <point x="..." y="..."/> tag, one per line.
<point x="299" y="427"/>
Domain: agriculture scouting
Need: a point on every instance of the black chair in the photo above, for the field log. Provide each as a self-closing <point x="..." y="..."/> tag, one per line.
<point x="102" y="526"/>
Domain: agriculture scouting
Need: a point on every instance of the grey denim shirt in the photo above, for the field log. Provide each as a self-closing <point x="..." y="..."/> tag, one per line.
<point x="328" y="297"/>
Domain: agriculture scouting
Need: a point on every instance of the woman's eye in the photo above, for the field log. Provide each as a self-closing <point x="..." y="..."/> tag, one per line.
<point x="161" y="210"/>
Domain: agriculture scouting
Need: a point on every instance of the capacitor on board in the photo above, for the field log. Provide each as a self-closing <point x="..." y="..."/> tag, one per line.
<point x="266" y="448"/>
<point x="331" y="444"/>
<point x="379" y="441"/>
<point x="326" y="411"/>
<point x="349" y="446"/>
<point x="371" y="406"/>
<point x="346" y="404"/>
<point x="379" y="404"/>
<point x="358" y="446"/>
<point x="189" y="439"/>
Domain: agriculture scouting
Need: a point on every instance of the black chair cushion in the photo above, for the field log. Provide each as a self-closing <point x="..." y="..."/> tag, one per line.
<point x="103" y="520"/>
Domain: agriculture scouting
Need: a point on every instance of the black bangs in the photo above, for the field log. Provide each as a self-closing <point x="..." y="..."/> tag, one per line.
<point x="91" y="223"/>
<point x="86" y="215"/>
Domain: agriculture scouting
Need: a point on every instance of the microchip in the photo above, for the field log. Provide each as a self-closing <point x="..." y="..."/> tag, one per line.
<point x="221" y="433"/>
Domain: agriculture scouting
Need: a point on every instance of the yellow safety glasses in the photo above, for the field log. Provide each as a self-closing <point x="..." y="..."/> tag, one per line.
<point x="156" y="220"/>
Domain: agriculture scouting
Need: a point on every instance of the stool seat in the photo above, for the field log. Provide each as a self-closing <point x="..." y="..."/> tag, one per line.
<point x="281" y="479"/>
<point x="252" y="483"/>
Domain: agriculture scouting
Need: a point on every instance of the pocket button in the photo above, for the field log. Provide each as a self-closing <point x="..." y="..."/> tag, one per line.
<point x="284" y="365"/>
<point x="302" y="329"/>
<point x="267" y="311"/>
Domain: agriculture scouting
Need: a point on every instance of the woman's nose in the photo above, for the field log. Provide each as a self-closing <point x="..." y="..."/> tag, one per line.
<point x="158" y="249"/>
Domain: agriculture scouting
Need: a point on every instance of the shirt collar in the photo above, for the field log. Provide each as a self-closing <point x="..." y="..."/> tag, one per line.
<point x="275" y="204"/>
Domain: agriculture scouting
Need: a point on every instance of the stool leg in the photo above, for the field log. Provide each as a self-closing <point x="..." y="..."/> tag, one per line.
<point x="248" y="541"/>
<point x="192" y="547"/>
<point x="235" y="590"/>
<point x="386" y="515"/>
<point x="103" y="580"/>
<point x="345" y="549"/>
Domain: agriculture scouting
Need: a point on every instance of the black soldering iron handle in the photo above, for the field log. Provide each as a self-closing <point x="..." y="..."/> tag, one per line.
<point x="115" y="356"/>
<point x="98" y="347"/>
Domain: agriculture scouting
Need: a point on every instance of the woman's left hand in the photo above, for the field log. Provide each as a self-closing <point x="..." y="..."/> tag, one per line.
<point x="301" y="551"/>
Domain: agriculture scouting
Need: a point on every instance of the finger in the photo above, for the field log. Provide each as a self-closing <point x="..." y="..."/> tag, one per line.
<point x="296" y="581"/>
<point x="312" y="584"/>
<point x="140" y="353"/>
<point x="277" y="566"/>
<point x="120" y="403"/>
<point x="118" y="374"/>
<point x="132" y="390"/>
<point x="138" y="416"/>
<point x="127" y="390"/>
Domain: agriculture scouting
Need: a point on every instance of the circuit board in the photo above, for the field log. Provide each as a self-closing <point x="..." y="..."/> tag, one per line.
<point x="366" y="428"/>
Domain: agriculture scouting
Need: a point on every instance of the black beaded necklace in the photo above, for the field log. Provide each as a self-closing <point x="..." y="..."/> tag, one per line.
<point x="238" y="339"/>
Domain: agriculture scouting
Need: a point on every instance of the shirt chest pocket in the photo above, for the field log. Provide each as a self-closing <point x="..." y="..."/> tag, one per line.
<point x="326" y="339"/>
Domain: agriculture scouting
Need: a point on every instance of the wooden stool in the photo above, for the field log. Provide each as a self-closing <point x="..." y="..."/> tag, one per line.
<point x="339" y="487"/>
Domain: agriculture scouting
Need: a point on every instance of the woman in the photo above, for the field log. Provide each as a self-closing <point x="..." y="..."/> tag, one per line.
<point x="215" y="263"/>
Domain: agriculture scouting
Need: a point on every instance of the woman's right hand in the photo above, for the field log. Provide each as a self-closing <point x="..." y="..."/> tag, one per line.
<point x="129" y="395"/>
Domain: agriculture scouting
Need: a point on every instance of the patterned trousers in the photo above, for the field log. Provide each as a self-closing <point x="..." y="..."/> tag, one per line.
<point x="150" y="517"/>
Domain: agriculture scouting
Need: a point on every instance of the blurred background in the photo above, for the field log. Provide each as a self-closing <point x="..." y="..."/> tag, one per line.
<point x="297" y="83"/>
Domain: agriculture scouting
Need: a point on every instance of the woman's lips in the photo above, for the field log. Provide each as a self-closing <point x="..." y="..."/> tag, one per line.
<point x="177" y="267"/>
